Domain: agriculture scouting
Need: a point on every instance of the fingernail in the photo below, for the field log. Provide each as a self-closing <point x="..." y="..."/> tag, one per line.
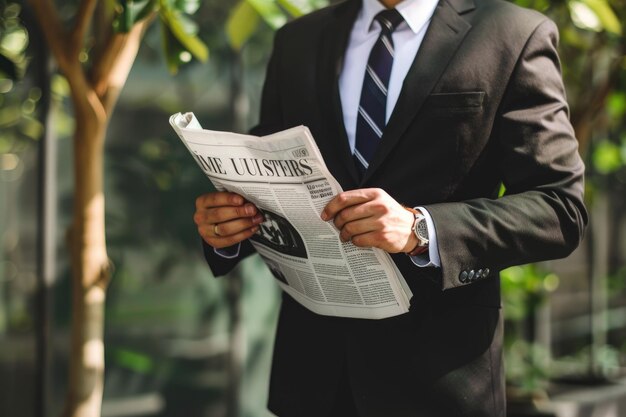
<point x="237" y="200"/>
<point x="249" y="209"/>
<point x="257" y="219"/>
<point x="324" y="216"/>
<point x="255" y="229"/>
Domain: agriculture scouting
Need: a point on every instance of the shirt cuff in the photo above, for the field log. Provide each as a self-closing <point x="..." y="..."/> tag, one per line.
<point x="232" y="252"/>
<point x="431" y="257"/>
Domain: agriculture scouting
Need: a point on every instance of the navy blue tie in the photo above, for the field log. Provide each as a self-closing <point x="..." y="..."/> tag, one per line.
<point x="373" y="104"/>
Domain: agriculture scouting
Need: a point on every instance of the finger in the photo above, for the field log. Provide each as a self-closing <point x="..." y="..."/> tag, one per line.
<point x="224" y="214"/>
<point x="206" y="232"/>
<point x="357" y="212"/>
<point x="347" y="199"/>
<point x="224" y="242"/>
<point x="383" y="238"/>
<point x="233" y="227"/>
<point x="367" y="240"/>
<point x="218" y="199"/>
<point x="358" y="227"/>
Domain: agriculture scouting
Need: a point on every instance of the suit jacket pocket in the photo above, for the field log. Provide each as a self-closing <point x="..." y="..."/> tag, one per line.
<point x="471" y="100"/>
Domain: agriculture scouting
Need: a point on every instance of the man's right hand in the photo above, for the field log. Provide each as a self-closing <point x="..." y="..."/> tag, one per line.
<point x="225" y="219"/>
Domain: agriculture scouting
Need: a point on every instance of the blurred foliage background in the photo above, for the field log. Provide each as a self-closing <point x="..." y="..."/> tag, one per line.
<point x="171" y="329"/>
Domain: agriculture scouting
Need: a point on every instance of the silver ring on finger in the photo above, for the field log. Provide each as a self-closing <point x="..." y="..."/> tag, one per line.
<point x="215" y="232"/>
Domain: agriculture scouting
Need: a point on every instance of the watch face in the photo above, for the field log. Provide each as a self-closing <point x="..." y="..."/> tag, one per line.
<point x="422" y="229"/>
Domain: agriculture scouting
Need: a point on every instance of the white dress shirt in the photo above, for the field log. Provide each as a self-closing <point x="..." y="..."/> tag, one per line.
<point x="407" y="39"/>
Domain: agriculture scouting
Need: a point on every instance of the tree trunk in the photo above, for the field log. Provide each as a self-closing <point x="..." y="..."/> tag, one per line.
<point x="93" y="95"/>
<point x="90" y="265"/>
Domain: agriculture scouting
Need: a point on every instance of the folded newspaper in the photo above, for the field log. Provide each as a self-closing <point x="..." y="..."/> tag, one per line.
<point x="285" y="177"/>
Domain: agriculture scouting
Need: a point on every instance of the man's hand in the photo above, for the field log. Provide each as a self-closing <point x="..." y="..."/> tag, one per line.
<point x="370" y="217"/>
<point x="225" y="219"/>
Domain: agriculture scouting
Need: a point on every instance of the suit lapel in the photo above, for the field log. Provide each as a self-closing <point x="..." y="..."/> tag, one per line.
<point x="444" y="35"/>
<point x="330" y="57"/>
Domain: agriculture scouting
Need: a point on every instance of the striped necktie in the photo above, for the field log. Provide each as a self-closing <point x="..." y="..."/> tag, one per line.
<point x="371" y="118"/>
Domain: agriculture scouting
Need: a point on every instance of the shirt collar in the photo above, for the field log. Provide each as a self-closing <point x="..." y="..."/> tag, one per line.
<point x="415" y="12"/>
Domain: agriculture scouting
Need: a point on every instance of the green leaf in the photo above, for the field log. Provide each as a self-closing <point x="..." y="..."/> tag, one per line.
<point x="241" y="24"/>
<point x="318" y="4"/>
<point x="179" y="27"/>
<point x="60" y="86"/>
<point x="270" y="12"/>
<point x="131" y="12"/>
<point x="14" y="41"/>
<point x="134" y="360"/>
<point x="296" y="8"/>
<point x="172" y="49"/>
<point x="31" y="128"/>
<point x="607" y="157"/>
<point x="188" y="26"/>
<point x="595" y="15"/>
<point x="502" y="190"/>
<point x="606" y="15"/>
<point x="616" y="104"/>
<point x="584" y="17"/>
<point x="10" y="116"/>
<point x="187" y="6"/>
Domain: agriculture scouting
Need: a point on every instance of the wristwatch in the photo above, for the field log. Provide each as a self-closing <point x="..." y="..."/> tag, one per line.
<point x="420" y="229"/>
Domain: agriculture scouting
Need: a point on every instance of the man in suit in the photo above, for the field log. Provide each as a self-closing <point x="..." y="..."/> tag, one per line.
<point x="421" y="109"/>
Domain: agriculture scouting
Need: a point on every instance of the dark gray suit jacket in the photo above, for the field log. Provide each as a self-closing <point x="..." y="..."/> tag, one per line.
<point x="482" y="105"/>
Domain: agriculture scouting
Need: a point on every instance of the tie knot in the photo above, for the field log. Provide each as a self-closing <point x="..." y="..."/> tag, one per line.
<point x="389" y="19"/>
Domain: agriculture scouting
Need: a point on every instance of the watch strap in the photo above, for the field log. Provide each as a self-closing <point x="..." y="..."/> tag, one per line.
<point x="418" y="250"/>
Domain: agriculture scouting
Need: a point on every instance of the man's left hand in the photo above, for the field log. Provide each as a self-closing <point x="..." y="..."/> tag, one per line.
<point x="370" y="217"/>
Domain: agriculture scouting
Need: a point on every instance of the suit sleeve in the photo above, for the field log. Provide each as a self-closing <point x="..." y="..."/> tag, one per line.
<point x="542" y="215"/>
<point x="269" y="122"/>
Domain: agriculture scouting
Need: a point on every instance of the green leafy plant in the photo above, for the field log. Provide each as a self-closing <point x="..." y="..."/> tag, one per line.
<point x="18" y="101"/>
<point x="525" y="289"/>
<point x="247" y="15"/>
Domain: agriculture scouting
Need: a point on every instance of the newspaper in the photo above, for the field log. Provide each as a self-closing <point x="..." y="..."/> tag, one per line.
<point x="285" y="177"/>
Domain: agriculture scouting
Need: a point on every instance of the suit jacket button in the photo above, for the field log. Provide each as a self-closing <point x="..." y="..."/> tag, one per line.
<point x="463" y="277"/>
<point x="485" y="272"/>
<point x="471" y="275"/>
